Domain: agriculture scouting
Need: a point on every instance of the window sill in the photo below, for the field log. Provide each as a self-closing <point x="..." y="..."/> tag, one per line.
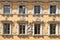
<point x="54" y="14"/>
<point x="7" y="34"/>
<point x="37" y="35"/>
<point x="53" y="35"/>
<point x="37" y="15"/>
<point x="23" y="34"/>
<point x="7" y="14"/>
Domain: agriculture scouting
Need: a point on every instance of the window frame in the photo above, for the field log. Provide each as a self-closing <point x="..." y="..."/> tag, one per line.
<point x="55" y="30"/>
<point x="25" y="9"/>
<point x="56" y="9"/>
<point x="3" y="9"/>
<point x="25" y="29"/>
<point x="40" y="9"/>
<point x="10" y="29"/>
<point x="40" y="31"/>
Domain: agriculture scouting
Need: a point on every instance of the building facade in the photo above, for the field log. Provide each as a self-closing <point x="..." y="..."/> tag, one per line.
<point x="29" y="19"/>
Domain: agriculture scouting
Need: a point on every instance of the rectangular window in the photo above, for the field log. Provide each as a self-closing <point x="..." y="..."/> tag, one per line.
<point x="37" y="29"/>
<point x="22" y="9"/>
<point x="37" y="9"/>
<point x="53" y="9"/>
<point x="53" y="29"/>
<point x="6" y="9"/>
<point x="6" y="28"/>
<point x="22" y="29"/>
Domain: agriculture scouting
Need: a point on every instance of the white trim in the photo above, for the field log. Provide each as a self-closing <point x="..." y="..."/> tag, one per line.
<point x="10" y="9"/>
<point x="33" y="29"/>
<point x="17" y="29"/>
<point x="25" y="29"/>
<point x="26" y="10"/>
<point x="56" y="29"/>
<point x="10" y="29"/>
<point x="48" y="9"/>
<point x="56" y="9"/>
<point x="41" y="29"/>
<point x="48" y="29"/>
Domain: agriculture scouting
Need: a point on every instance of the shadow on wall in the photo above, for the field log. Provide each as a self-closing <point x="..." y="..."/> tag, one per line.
<point x="54" y="37"/>
<point x="35" y="37"/>
<point x="7" y="36"/>
<point x="24" y="36"/>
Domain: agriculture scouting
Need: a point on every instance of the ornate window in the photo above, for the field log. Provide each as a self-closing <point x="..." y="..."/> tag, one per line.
<point x="53" y="29"/>
<point x="37" y="29"/>
<point x="6" y="9"/>
<point x="22" y="29"/>
<point x="6" y="28"/>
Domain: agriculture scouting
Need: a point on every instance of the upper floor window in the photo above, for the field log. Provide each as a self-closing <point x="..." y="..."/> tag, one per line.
<point x="22" y="29"/>
<point x="53" y="29"/>
<point x="37" y="29"/>
<point x="6" y="28"/>
<point x="53" y="9"/>
<point x="22" y="9"/>
<point x="37" y="9"/>
<point x="6" y="9"/>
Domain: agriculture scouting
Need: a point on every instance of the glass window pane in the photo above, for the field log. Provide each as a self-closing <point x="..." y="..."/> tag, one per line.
<point x="37" y="29"/>
<point x="52" y="28"/>
<point x="36" y="9"/>
<point x="6" y="8"/>
<point x="21" y="29"/>
<point x="52" y="9"/>
<point x="6" y="28"/>
<point x="21" y="9"/>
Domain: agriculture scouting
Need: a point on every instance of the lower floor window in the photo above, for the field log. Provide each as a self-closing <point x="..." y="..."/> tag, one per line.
<point x="53" y="29"/>
<point x="22" y="28"/>
<point x="37" y="29"/>
<point x="6" y="28"/>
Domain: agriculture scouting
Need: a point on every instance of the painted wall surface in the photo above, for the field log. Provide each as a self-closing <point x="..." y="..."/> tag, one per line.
<point x="14" y="17"/>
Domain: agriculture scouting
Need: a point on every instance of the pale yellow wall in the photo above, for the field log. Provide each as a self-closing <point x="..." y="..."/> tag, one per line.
<point x="45" y="18"/>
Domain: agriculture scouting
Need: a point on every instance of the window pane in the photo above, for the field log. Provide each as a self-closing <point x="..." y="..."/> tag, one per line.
<point x="36" y="9"/>
<point x="37" y="29"/>
<point x="6" y="8"/>
<point x="21" y="9"/>
<point x="21" y="29"/>
<point x="6" y="28"/>
<point x="52" y="28"/>
<point x="52" y="9"/>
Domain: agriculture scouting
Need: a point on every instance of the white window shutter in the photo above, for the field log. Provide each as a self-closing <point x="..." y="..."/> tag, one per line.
<point x="48" y="29"/>
<point x="41" y="29"/>
<point x="33" y="10"/>
<point x="26" y="10"/>
<point x="41" y="9"/>
<point x="26" y="29"/>
<point x="33" y="29"/>
<point x="10" y="29"/>
<point x="17" y="29"/>
<point x="57" y="29"/>
<point x="56" y="9"/>
<point x="48" y="9"/>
